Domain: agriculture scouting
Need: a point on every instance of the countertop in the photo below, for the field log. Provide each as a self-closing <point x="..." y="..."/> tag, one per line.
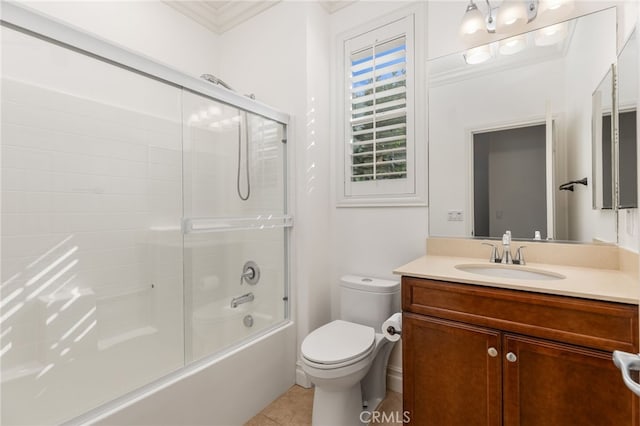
<point x="598" y="284"/>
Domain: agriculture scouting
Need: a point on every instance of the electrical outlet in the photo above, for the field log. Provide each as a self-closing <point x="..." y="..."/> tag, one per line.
<point x="454" y="216"/>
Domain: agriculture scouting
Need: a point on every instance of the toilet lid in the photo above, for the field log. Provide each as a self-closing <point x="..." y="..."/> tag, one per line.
<point x="338" y="342"/>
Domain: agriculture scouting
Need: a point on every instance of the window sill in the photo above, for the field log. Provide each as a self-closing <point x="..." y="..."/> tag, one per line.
<point x="382" y="202"/>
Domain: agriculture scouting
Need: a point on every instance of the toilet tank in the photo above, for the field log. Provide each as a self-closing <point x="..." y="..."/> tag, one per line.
<point x="368" y="301"/>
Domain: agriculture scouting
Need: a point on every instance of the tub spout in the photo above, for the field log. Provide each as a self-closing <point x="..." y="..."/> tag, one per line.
<point x="241" y="299"/>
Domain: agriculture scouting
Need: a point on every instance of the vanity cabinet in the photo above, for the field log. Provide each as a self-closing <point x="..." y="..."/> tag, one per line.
<point x="475" y="355"/>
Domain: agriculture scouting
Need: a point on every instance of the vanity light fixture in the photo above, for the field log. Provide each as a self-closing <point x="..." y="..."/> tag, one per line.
<point x="542" y="38"/>
<point x="474" y="24"/>
<point x="509" y="18"/>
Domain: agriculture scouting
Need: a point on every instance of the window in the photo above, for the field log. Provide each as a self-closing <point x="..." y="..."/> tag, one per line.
<point x="379" y="111"/>
<point x="379" y="150"/>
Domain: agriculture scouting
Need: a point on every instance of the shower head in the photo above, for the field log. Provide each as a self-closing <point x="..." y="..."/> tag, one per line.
<point x="215" y="80"/>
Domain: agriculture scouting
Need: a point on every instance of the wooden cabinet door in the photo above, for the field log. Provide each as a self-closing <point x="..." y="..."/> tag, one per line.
<point x="550" y="384"/>
<point x="449" y="377"/>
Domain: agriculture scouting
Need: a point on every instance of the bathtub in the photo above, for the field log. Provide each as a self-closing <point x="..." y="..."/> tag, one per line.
<point x="228" y="388"/>
<point x="216" y="325"/>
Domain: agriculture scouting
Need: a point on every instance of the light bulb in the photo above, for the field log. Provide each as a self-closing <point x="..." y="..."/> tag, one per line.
<point x="473" y="25"/>
<point x="513" y="45"/>
<point x="558" y="8"/>
<point x="551" y="35"/>
<point x="477" y="55"/>
<point x="512" y="16"/>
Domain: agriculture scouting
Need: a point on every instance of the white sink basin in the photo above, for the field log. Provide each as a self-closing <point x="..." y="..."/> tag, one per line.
<point x="507" y="271"/>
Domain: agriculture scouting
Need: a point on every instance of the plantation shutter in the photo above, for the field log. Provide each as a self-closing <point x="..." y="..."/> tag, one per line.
<point x="379" y="96"/>
<point x="379" y="111"/>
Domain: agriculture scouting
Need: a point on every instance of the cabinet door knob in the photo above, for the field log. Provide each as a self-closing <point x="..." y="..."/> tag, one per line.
<point x="511" y="357"/>
<point x="493" y="352"/>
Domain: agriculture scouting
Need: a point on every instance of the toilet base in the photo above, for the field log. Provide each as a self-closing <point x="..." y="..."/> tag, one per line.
<point x="337" y="407"/>
<point x="374" y="384"/>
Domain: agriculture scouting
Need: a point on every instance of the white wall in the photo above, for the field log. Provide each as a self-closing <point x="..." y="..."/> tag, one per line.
<point x="282" y="55"/>
<point x="149" y="28"/>
<point x="369" y="241"/>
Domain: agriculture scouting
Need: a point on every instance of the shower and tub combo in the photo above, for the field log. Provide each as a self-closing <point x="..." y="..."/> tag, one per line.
<point x="145" y="234"/>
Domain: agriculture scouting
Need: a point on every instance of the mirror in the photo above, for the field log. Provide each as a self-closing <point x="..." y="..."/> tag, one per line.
<point x="602" y="134"/>
<point x="506" y="134"/>
<point x="627" y="98"/>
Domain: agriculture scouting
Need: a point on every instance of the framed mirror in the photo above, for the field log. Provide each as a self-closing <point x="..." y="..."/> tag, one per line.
<point x="507" y="133"/>
<point x="627" y="100"/>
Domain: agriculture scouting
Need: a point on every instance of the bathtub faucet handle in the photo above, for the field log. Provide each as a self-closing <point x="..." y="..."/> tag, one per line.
<point x="250" y="273"/>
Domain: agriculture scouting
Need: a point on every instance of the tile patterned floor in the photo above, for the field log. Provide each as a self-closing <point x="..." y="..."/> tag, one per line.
<point x="294" y="409"/>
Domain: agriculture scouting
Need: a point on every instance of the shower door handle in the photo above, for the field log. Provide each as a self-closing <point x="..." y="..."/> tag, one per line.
<point x="626" y="362"/>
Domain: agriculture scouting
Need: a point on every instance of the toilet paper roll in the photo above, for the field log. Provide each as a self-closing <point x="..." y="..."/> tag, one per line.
<point x="392" y="327"/>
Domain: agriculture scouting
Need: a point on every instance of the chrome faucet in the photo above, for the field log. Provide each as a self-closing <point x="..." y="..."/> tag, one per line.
<point x="495" y="256"/>
<point x="506" y="248"/>
<point x="241" y="299"/>
<point x="519" y="258"/>
<point x="506" y="256"/>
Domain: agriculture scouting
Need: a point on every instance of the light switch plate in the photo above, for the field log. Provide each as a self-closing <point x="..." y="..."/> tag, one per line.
<point x="455" y="216"/>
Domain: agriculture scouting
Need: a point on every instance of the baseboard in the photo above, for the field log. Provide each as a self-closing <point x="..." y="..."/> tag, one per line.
<point x="394" y="378"/>
<point x="301" y="377"/>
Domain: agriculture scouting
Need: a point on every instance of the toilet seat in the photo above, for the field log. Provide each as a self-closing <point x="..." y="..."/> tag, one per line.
<point x="337" y="344"/>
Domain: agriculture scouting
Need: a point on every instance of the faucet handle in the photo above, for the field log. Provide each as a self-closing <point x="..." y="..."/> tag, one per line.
<point x="495" y="256"/>
<point x="519" y="258"/>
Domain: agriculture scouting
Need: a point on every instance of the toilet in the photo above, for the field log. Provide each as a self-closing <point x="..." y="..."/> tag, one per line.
<point x="346" y="359"/>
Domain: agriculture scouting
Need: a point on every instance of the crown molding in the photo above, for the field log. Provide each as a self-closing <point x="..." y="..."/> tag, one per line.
<point x="221" y="16"/>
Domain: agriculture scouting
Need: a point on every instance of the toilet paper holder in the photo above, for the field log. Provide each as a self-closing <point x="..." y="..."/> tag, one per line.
<point x="392" y="331"/>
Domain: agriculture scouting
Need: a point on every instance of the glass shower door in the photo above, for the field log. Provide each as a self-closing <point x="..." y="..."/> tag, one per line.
<point x="235" y="225"/>
<point x="91" y="291"/>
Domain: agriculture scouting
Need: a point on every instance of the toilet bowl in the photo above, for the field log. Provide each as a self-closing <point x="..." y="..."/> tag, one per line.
<point x="346" y="360"/>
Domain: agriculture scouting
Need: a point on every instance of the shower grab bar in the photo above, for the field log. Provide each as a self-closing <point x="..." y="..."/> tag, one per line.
<point x="199" y="225"/>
